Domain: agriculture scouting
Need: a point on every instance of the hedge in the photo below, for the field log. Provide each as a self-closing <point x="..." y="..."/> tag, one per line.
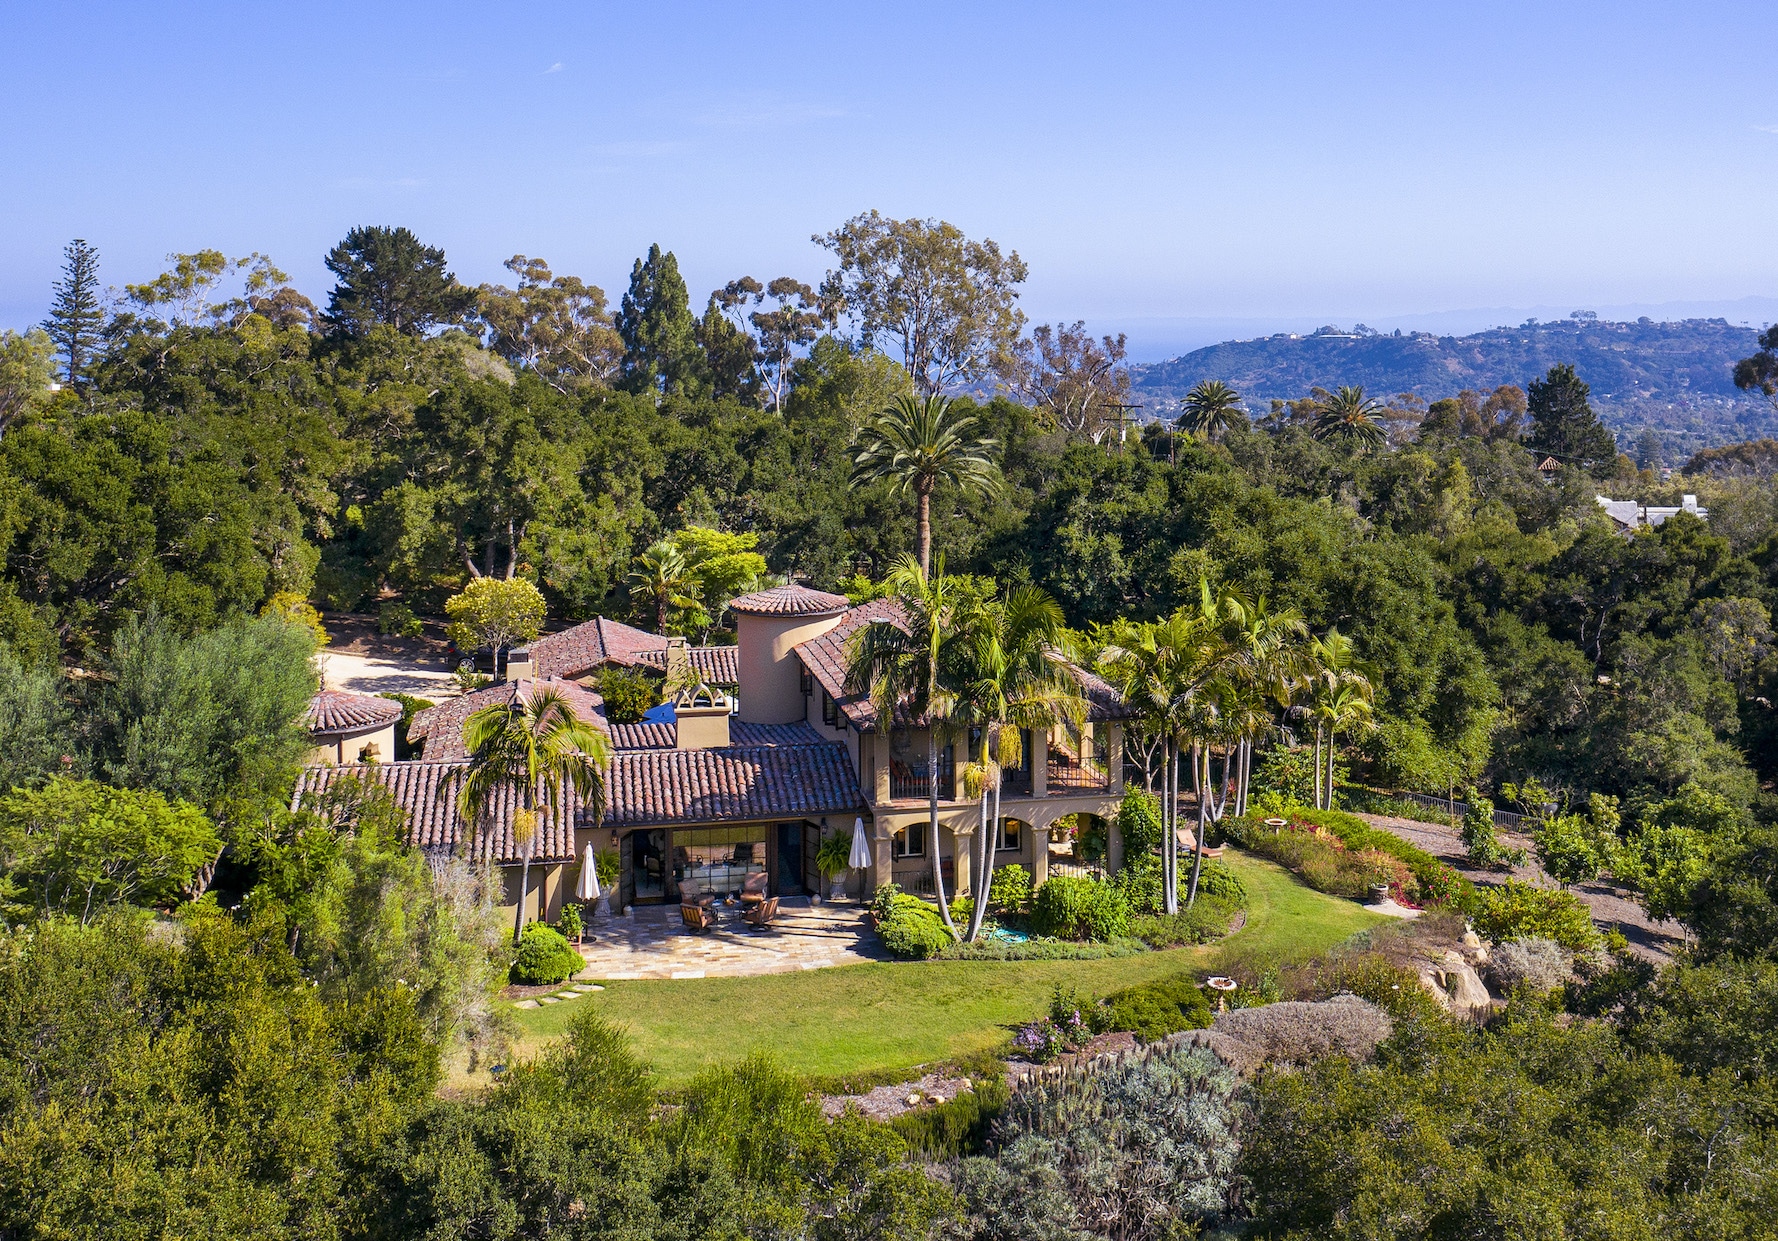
<point x="1076" y="907"/>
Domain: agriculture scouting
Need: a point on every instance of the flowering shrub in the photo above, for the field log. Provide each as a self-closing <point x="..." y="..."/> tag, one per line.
<point x="1041" y="1041"/>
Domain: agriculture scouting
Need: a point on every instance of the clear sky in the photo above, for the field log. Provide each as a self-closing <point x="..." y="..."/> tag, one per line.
<point x="1231" y="163"/>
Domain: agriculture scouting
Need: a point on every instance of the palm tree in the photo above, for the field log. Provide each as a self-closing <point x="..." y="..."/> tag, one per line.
<point x="917" y="444"/>
<point x="902" y="668"/>
<point x="1018" y="676"/>
<point x="663" y="580"/>
<point x="1164" y="670"/>
<point x="1338" y="697"/>
<point x="1267" y="656"/>
<point x="1208" y="408"/>
<point x="1350" y="418"/>
<point x="536" y="743"/>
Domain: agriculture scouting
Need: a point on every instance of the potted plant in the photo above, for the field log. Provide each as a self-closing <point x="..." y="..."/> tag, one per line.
<point x="831" y="860"/>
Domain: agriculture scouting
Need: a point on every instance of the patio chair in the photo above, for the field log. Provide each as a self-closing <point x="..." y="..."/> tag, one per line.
<point x="753" y="888"/>
<point x="760" y="915"/>
<point x="697" y="912"/>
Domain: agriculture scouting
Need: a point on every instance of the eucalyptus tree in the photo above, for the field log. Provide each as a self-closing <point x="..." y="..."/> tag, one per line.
<point x="1210" y="406"/>
<point x="903" y="665"/>
<point x="914" y="445"/>
<point x="1016" y="674"/>
<point x="535" y="744"/>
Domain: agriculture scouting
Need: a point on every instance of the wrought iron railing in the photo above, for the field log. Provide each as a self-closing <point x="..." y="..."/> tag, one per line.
<point x="1068" y="774"/>
<point x="908" y="778"/>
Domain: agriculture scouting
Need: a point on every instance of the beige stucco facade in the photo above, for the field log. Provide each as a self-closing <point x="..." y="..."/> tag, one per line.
<point x="348" y="748"/>
<point x="771" y="673"/>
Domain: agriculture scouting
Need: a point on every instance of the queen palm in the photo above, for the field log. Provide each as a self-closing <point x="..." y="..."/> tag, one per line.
<point x="1016" y="675"/>
<point x="915" y="445"/>
<point x="536" y="745"/>
<point x="1350" y="418"/>
<point x="903" y="669"/>
<point x="1209" y="407"/>
<point x="664" y="580"/>
<point x="1338" y="697"/>
<point x="1163" y="669"/>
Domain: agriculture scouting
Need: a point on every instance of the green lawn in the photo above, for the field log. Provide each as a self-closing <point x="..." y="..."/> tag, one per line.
<point x="870" y="1017"/>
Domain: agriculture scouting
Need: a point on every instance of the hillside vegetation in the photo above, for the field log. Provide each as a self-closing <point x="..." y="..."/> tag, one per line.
<point x="1676" y="378"/>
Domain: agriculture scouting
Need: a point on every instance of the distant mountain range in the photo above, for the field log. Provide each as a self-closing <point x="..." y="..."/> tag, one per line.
<point x="1674" y="377"/>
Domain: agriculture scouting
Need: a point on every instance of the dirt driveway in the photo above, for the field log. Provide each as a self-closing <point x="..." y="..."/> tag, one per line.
<point x="362" y="661"/>
<point x="1611" y="906"/>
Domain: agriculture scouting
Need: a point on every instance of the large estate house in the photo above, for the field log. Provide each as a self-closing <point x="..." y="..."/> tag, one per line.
<point x="765" y="753"/>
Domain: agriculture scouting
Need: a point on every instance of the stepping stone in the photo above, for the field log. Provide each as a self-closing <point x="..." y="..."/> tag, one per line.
<point x="584" y="987"/>
<point x="525" y="1004"/>
<point x="548" y="999"/>
<point x="566" y="995"/>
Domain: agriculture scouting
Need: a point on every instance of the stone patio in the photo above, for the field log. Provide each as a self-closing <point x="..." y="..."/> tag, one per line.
<point x="653" y="943"/>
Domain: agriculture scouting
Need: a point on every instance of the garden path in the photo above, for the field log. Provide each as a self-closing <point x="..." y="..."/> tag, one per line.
<point x="653" y="943"/>
<point x="1612" y="907"/>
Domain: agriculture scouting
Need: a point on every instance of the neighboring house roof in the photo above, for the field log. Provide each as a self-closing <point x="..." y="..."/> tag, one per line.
<point x="335" y="713"/>
<point x="825" y="657"/>
<point x="428" y="793"/>
<point x="441" y="727"/>
<point x="1631" y="515"/>
<point x="651" y="788"/>
<point x="791" y="600"/>
<point x="665" y="736"/>
<point x="714" y="665"/>
<point x="586" y="647"/>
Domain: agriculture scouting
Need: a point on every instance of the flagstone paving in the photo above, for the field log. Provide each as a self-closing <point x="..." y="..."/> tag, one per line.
<point x="652" y="942"/>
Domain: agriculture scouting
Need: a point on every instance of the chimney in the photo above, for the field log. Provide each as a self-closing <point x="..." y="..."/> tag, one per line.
<point x="702" y="719"/>
<point x="679" y="673"/>
<point x="1690" y="503"/>
<point x="518" y="664"/>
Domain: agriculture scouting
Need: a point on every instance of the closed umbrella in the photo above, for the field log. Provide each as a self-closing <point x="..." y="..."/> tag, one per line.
<point x="860" y="858"/>
<point x="588" y="887"/>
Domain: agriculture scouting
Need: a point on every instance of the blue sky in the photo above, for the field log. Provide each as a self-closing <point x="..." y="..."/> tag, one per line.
<point x="1179" y="171"/>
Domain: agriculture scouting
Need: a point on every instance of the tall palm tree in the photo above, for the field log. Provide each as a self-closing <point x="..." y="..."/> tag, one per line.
<point x="537" y="744"/>
<point x="1350" y="418"/>
<point x="1164" y="670"/>
<point x="1209" y="407"/>
<point x="1268" y="654"/>
<point x="1338" y="696"/>
<point x="664" y="580"/>
<point x="903" y="668"/>
<point x="917" y="444"/>
<point x="1016" y="675"/>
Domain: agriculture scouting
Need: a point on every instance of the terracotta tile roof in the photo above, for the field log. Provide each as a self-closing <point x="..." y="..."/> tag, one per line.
<point x="715" y="665"/>
<point x="733" y="785"/>
<point x="333" y="712"/>
<point x="644" y="736"/>
<point x="428" y="793"/>
<point x="586" y="647"/>
<point x="741" y="734"/>
<point x="825" y="658"/>
<point x="799" y="776"/>
<point x="791" y="600"/>
<point x="441" y="727"/>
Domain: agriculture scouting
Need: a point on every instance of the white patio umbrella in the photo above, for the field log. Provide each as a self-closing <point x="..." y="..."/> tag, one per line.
<point x="859" y="858"/>
<point x="588" y="887"/>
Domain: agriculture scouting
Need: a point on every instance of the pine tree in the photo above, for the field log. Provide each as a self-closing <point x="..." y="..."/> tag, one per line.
<point x="1564" y="425"/>
<point x="661" y="350"/>
<point x="390" y="277"/>
<point x="75" y="318"/>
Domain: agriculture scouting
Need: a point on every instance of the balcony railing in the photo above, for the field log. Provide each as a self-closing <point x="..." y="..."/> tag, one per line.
<point x="908" y="779"/>
<point x="1069" y="774"/>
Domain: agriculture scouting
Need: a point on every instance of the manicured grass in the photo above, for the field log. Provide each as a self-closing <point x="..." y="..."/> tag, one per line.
<point x="864" y="1018"/>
